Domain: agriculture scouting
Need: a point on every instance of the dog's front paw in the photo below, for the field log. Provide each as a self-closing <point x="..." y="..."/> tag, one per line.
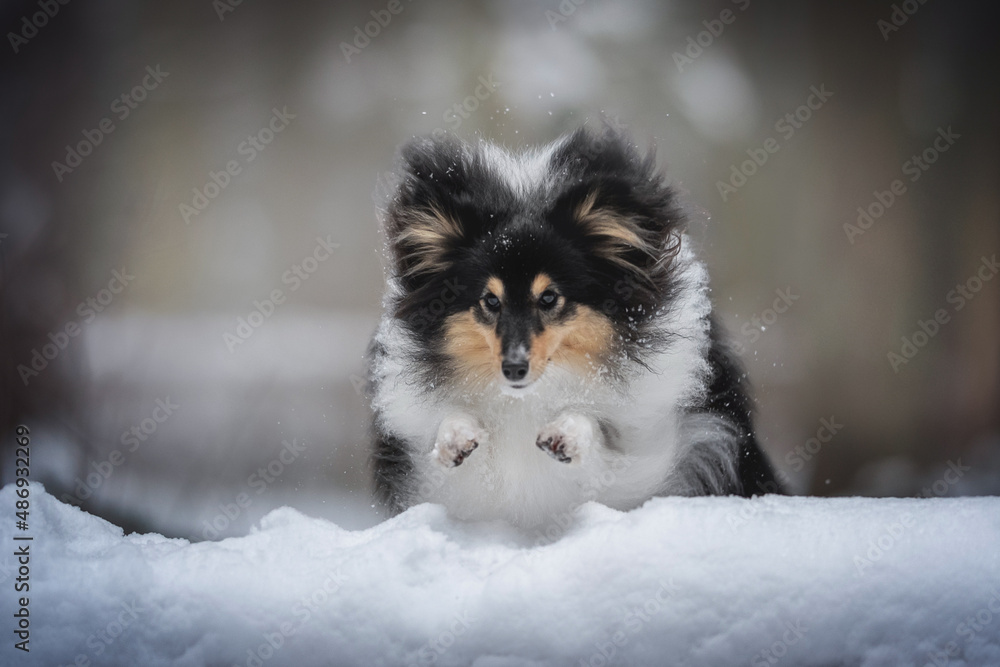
<point x="457" y="437"/>
<point x="568" y="438"/>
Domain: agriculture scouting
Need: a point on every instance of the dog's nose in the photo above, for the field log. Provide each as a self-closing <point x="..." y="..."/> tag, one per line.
<point x="514" y="370"/>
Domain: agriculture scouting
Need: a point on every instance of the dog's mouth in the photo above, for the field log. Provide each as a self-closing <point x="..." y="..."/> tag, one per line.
<point x="516" y="387"/>
<point x="522" y="390"/>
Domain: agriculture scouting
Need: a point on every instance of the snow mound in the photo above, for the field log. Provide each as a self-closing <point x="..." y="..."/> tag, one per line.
<point x="703" y="581"/>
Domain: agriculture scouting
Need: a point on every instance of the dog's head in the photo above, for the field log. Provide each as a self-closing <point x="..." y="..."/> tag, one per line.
<point x="509" y="265"/>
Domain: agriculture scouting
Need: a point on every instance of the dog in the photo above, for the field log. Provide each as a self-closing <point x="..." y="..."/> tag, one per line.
<point x="548" y="338"/>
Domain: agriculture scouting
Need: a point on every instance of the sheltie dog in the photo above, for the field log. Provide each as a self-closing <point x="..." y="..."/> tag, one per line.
<point x="548" y="338"/>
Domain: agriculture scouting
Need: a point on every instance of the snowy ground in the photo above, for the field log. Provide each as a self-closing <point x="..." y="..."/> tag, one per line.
<point x="710" y="581"/>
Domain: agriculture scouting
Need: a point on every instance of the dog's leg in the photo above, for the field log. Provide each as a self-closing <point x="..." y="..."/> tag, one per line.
<point x="569" y="437"/>
<point x="457" y="436"/>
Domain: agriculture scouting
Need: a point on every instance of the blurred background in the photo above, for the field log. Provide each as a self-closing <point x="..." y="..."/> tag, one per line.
<point x="191" y="262"/>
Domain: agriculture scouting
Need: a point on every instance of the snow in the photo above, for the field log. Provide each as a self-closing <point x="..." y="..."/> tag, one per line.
<point x="702" y="581"/>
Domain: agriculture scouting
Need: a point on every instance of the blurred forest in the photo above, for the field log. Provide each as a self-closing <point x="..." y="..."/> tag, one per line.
<point x="191" y="262"/>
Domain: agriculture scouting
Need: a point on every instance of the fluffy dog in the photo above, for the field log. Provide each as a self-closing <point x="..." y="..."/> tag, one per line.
<point x="548" y="338"/>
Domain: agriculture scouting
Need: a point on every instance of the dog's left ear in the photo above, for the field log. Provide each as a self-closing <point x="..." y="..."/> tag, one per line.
<point x="619" y="207"/>
<point x="622" y="236"/>
<point x="421" y="225"/>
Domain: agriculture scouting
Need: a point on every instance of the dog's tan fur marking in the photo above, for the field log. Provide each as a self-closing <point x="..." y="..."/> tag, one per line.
<point x="618" y="234"/>
<point x="495" y="285"/>
<point x="473" y="346"/>
<point x="539" y="285"/>
<point x="427" y="234"/>
<point x="583" y="342"/>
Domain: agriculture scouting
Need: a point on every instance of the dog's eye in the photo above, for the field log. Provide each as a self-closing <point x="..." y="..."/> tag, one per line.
<point x="492" y="303"/>
<point x="547" y="299"/>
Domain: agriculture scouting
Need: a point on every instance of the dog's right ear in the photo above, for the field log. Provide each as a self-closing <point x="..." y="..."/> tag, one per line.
<point x="422" y="225"/>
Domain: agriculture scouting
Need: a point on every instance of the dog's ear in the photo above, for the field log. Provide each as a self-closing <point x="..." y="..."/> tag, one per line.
<point x="422" y="224"/>
<point x="619" y="235"/>
<point x="617" y="205"/>
<point x="422" y="239"/>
